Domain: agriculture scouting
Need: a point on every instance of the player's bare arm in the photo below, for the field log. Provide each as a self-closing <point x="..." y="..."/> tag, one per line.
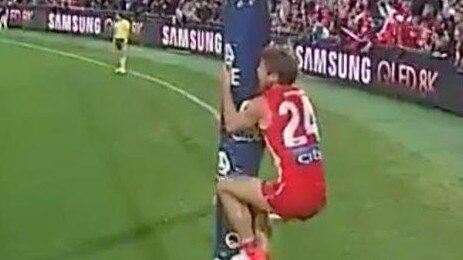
<point x="235" y="120"/>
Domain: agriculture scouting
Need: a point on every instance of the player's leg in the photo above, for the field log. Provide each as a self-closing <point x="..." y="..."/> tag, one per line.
<point x="117" y="54"/>
<point x="234" y="193"/>
<point x="262" y="228"/>
<point x="3" y="22"/>
<point x="460" y="59"/>
<point x="457" y="56"/>
<point x="119" y="51"/>
<point x="247" y="190"/>
<point x="123" y="57"/>
<point x="238" y="214"/>
<point x="240" y="218"/>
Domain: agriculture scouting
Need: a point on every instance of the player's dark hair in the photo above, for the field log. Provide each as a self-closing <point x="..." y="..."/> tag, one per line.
<point x="279" y="60"/>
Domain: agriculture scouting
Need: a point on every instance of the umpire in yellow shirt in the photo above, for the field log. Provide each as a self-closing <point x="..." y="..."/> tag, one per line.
<point x="121" y="36"/>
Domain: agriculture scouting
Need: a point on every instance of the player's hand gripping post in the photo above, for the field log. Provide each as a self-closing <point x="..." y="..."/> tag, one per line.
<point x="235" y="120"/>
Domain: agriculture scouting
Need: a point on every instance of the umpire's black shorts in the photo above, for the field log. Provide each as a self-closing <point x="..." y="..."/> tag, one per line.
<point x="120" y="44"/>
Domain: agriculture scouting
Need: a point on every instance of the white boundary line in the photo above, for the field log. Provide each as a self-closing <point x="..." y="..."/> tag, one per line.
<point x="196" y="100"/>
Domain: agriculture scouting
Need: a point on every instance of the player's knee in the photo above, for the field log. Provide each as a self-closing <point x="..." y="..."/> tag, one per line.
<point x="223" y="186"/>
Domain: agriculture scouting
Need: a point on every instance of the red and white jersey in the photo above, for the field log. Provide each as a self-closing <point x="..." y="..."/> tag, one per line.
<point x="291" y="132"/>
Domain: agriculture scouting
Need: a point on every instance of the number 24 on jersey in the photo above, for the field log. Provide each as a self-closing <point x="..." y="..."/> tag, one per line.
<point x="305" y="118"/>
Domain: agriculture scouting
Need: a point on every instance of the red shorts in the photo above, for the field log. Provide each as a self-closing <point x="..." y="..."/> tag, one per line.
<point x="296" y="199"/>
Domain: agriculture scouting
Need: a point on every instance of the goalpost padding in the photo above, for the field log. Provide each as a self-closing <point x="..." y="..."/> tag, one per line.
<point x="246" y="32"/>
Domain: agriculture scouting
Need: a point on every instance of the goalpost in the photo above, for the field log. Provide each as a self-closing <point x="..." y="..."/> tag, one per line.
<point x="246" y="32"/>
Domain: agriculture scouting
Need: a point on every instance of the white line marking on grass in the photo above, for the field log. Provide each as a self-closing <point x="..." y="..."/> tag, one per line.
<point x="140" y="75"/>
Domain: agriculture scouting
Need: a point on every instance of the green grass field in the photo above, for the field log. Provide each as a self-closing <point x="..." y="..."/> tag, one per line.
<point x="99" y="166"/>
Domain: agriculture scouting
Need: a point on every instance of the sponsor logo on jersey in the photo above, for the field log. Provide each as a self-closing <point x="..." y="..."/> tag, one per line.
<point x="307" y="154"/>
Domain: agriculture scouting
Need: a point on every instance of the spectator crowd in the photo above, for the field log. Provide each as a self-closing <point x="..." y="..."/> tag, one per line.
<point x="434" y="26"/>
